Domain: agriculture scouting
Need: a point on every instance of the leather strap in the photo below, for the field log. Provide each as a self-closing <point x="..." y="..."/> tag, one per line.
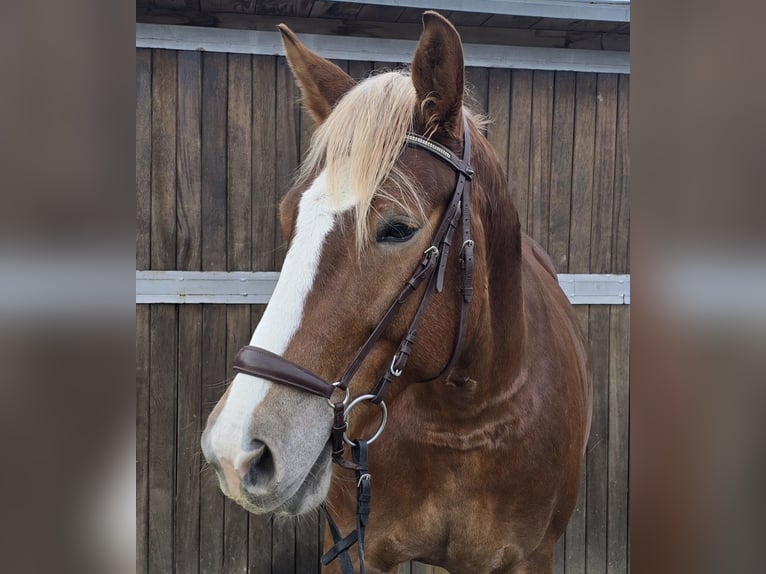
<point x="265" y="364"/>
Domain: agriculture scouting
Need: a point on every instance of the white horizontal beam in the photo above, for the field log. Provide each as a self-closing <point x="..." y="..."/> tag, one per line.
<point x="256" y="287"/>
<point x="376" y="49"/>
<point x="605" y="10"/>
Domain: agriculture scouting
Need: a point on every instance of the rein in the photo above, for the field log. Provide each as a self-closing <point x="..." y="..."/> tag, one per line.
<point x="261" y="363"/>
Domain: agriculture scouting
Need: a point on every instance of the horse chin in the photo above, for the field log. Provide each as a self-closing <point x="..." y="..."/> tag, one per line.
<point x="303" y="497"/>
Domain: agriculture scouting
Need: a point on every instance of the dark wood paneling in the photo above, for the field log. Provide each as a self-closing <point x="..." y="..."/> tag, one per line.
<point x="214" y="98"/>
<point x="188" y="164"/>
<point x="576" y="528"/>
<point x="561" y="170"/>
<point x="540" y="156"/>
<point x="163" y="356"/>
<point x="617" y="492"/>
<point x="143" y="156"/>
<point x="498" y="112"/>
<point x="143" y="371"/>
<point x="519" y="141"/>
<point x="188" y="257"/>
<point x="163" y="203"/>
<point x="621" y="217"/>
<point x="597" y="471"/>
<point x="239" y="162"/>
<point x="582" y="173"/>
<point x="603" y="182"/>
<point x="188" y="430"/>
<point x="218" y="140"/>
<point x="265" y="197"/>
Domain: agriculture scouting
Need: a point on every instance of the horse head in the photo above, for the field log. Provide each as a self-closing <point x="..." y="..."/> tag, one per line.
<point x="358" y="220"/>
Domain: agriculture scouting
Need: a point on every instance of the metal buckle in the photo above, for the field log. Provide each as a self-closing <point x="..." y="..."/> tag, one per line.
<point x="468" y="242"/>
<point x="433" y="249"/>
<point x="336" y="384"/>
<point x="396" y="372"/>
<point x="365" y="476"/>
<point x="355" y="402"/>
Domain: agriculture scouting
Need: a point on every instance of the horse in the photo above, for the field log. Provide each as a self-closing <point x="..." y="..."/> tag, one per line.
<point x="478" y="367"/>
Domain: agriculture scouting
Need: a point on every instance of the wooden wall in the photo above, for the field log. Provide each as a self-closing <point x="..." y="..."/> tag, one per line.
<point x="217" y="140"/>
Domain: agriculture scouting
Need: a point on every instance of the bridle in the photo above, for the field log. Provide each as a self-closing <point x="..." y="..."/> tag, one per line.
<point x="265" y="364"/>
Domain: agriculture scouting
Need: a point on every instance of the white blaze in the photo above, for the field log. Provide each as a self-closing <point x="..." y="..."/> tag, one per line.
<point x="283" y="315"/>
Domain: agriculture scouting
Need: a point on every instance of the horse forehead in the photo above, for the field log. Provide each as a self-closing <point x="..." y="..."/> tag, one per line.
<point x="319" y="200"/>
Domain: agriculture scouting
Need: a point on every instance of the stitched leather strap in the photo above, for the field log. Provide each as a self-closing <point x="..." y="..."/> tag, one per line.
<point x="265" y="364"/>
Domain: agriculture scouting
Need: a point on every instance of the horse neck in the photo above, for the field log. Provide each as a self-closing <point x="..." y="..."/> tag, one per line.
<point x="490" y="366"/>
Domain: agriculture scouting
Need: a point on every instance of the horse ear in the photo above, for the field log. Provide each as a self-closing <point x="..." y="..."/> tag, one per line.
<point x="437" y="73"/>
<point x="322" y="83"/>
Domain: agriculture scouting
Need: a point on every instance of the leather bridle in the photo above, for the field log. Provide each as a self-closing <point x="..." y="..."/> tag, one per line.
<point x="261" y="363"/>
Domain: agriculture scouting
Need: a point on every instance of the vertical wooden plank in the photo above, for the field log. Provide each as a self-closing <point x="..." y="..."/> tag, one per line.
<point x="188" y="459"/>
<point x="621" y="217"/>
<point x="214" y="368"/>
<point x="143" y="368"/>
<point x="143" y="155"/>
<point x="214" y="376"/>
<point x="239" y="150"/>
<point x="287" y="140"/>
<point x="600" y="262"/>
<point x="405" y="568"/>
<point x="214" y="165"/>
<point x="617" y="517"/>
<point x="519" y="141"/>
<point x="239" y="234"/>
<point x="603" y="183"/>
<point x="143" y="222"/>
<point x="575" y="533"/>
<point x="163" y="208"/>
<point x="265" y="198"/>
<point x="188" y="257"/>
<point x="498" y="110"/>
<point x="582" y="173"/>
<point x="163" y="318"/>
<point x="188" y="164"/>
<point x="597" y="475"/>
<point x="561" y="170"/>
<point x="540" y="156"/>
<point x="575" y="550"/>
<point x="478" y="89"/>
<point x="259" y="544"/>
<point x="283" y="546"/>
<point x="162" y="422"/>
<point x="307" y="543"/>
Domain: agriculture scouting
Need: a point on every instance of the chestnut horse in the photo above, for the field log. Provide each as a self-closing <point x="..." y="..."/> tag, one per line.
<point x="478" y="467"/>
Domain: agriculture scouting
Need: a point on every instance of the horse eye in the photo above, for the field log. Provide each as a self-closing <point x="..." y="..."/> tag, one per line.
<point x="395" y="232"/>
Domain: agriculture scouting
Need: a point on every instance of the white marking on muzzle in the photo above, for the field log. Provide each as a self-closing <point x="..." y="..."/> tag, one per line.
<point x="283" y="316"/>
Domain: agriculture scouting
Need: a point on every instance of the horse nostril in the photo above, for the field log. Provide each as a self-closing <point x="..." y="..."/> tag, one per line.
<point x="260" y="466"/>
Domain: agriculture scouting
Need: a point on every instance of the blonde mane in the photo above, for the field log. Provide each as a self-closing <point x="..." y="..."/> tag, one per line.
<point x="359" y="143"/>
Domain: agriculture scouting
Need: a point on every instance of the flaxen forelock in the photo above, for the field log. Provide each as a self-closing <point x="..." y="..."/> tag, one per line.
<point x="359" y="144"/>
